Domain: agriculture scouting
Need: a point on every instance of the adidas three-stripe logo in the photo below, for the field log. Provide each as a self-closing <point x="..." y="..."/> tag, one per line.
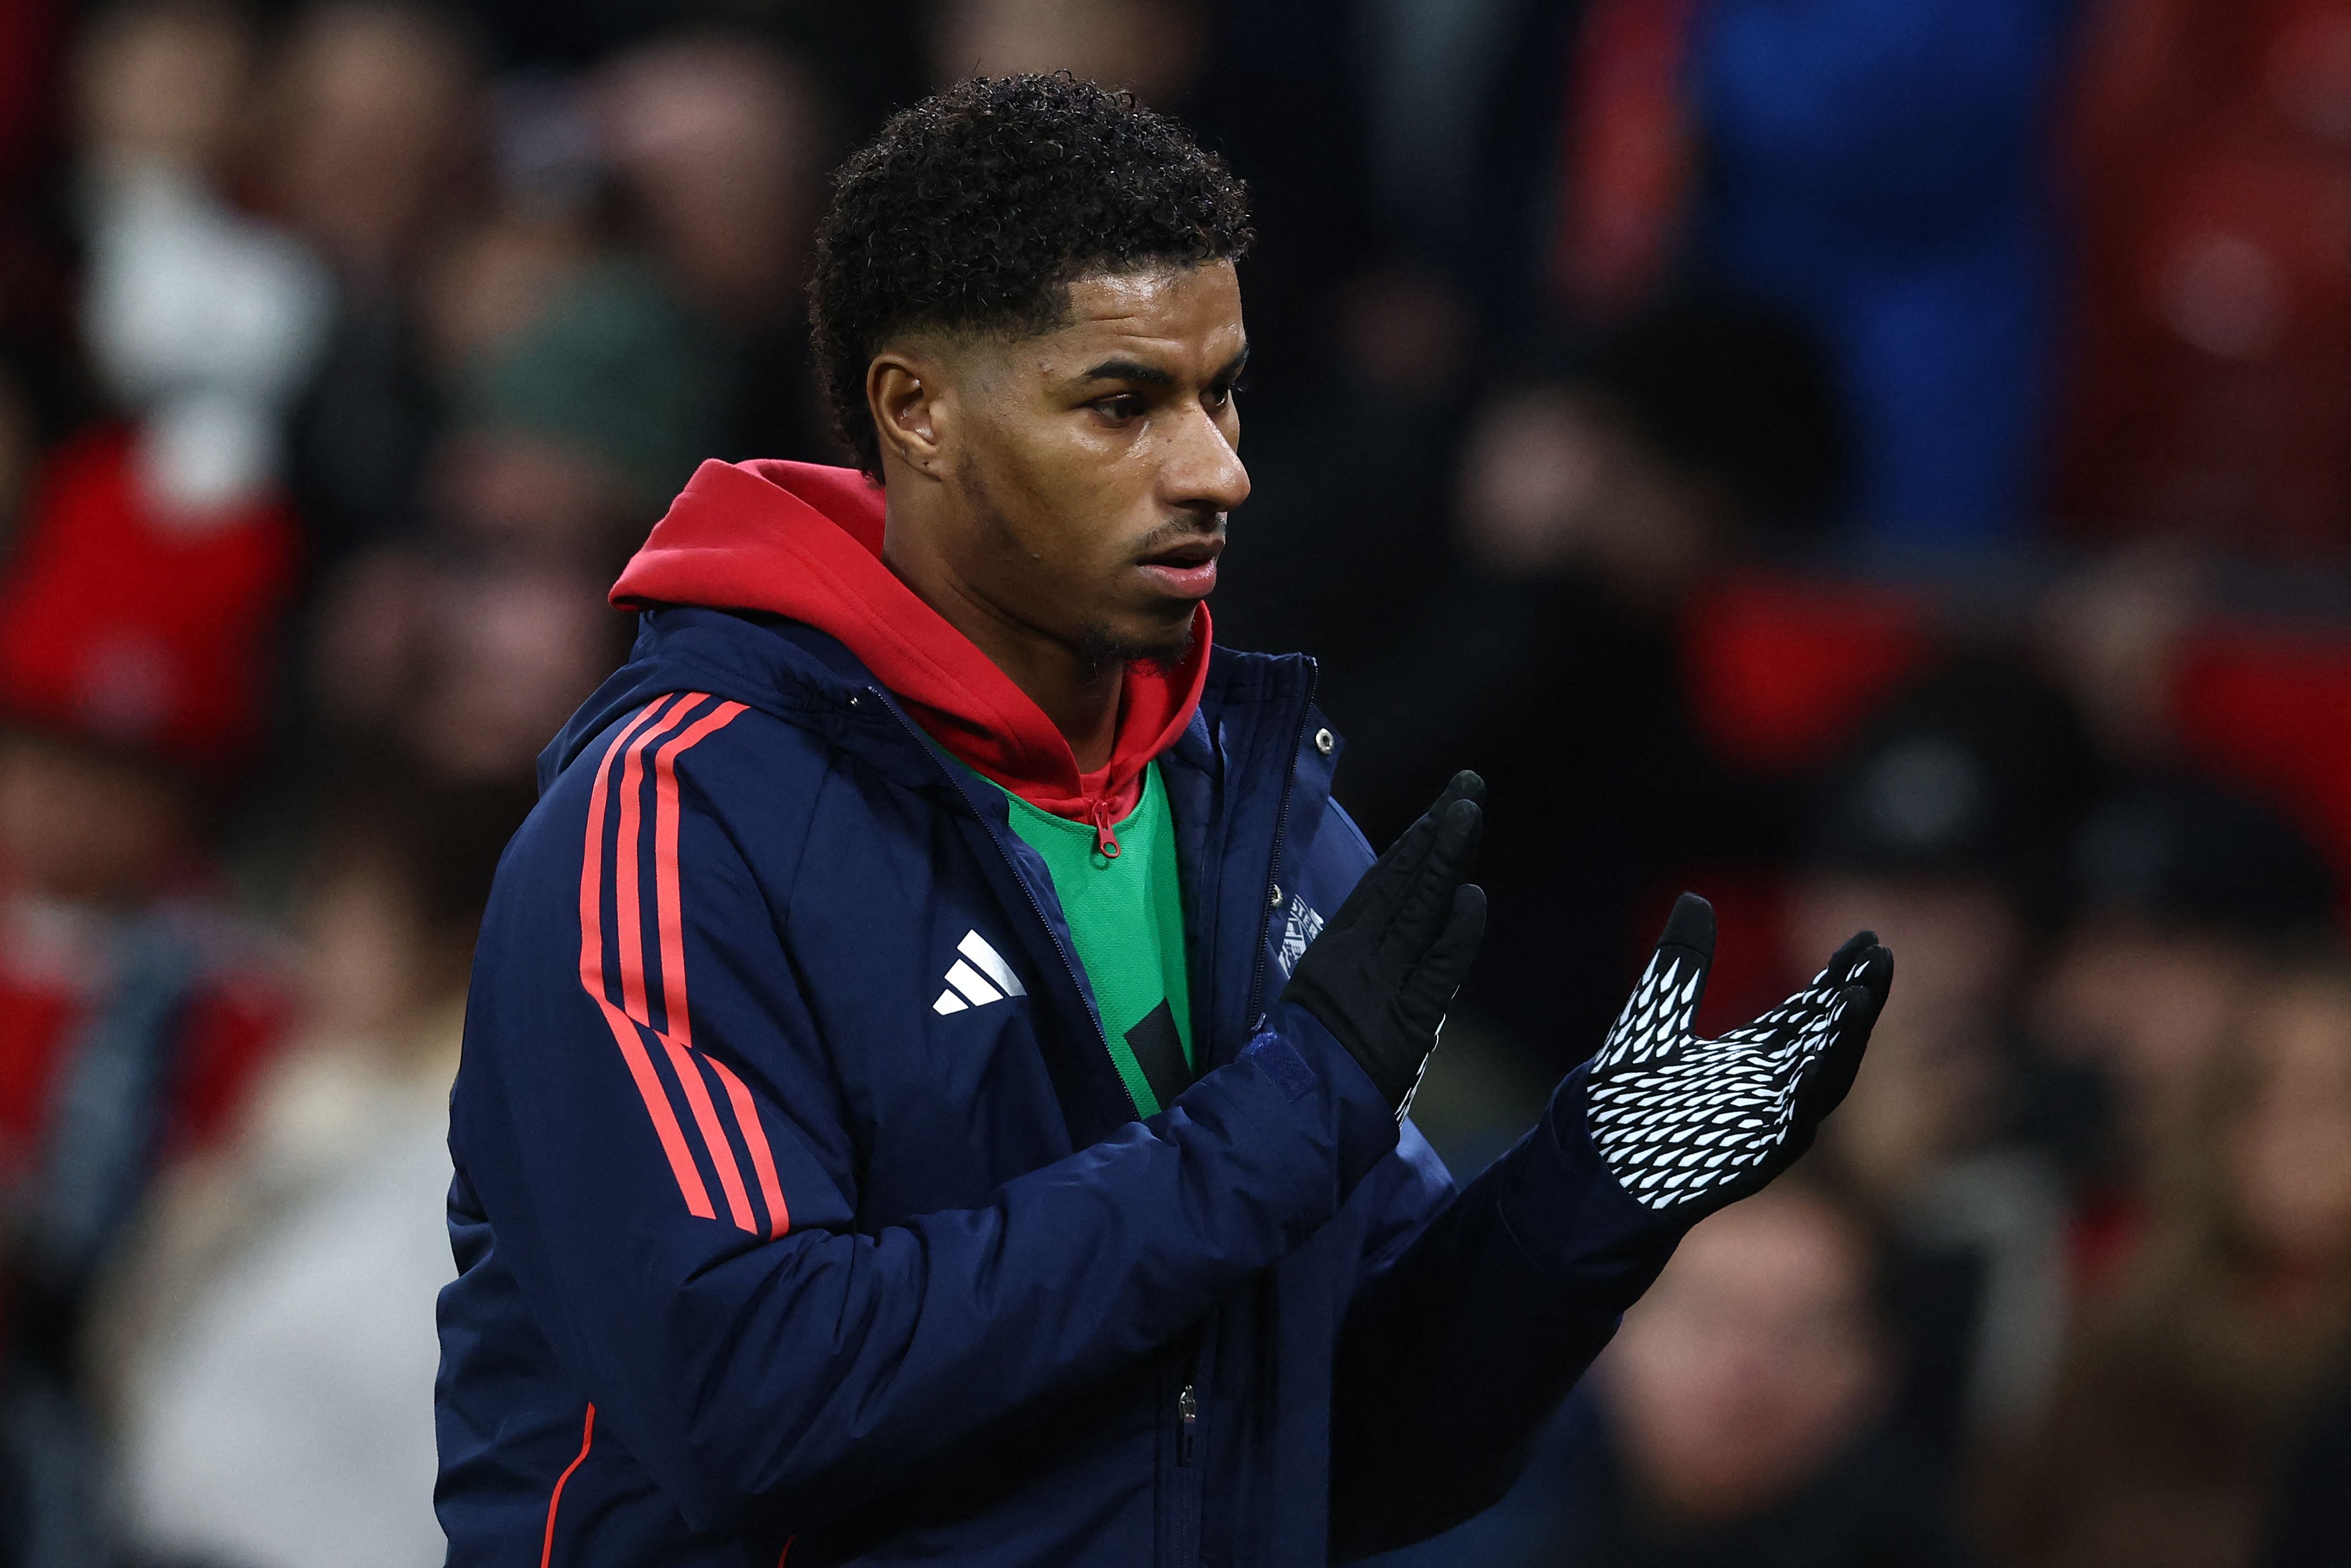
<point x="976" y="979"/>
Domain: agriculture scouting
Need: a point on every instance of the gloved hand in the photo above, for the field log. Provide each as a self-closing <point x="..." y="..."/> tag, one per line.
<point x="1383" y="970"/>
<point x="1690" y="1125"/>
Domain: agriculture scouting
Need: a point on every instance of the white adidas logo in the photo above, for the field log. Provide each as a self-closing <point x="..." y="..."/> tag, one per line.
<point x="985" y="978"/>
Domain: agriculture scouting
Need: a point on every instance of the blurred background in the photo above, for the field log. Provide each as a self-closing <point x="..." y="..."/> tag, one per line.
<point x="1876" y="462"/>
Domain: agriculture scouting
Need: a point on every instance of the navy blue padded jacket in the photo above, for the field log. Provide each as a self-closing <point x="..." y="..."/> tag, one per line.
<point x="767" y="1252"/>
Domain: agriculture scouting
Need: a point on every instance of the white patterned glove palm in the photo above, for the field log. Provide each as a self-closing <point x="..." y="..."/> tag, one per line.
<point x="1688" y="1125"/>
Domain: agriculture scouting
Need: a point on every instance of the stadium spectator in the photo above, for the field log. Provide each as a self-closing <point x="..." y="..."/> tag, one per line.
<point x="1745" y="1402"/>
<point x="373" y="153"/>
<point x="570" y="433"/>
<point x="1149" y="46"/>
<point x="716" y="139"/>
<point x="1880" y="171"/>
<point x="1460" y="107"/>
<point x="2111" y="634"/>
<point x="2181" y="1395"/>
<point x="200" y="320"/>
<point x="2185" y="892"/>
<point x="1947" y="821"/>
<point x="1590" y="504"/>
<point x="135" y="667"/>
<point x="288" y="1287"/>
<point x="1739" y="1419"/>
<point x="455" y="668"/>
<point x="413" y="314"/>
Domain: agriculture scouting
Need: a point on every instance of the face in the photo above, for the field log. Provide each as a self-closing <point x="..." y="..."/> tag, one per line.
<point x="163" y="85"/>
<point x="372" y="106"/>
<point x="2289" y="1156"/>
<point x="2149" y="1008"/>
<point x="1750" y="1362"/>
<point x="82" y="826"/>
<point x="1967" y="939"/>
<point x="1556" y="477"/>
<point x="1926" y="1087"/>
<point x="1150" y="46"/>
<point x="529" y="498"/>
<point x="512" y="653"/>
<point x="1073" y="486"/>
<point x="717" y="141"/>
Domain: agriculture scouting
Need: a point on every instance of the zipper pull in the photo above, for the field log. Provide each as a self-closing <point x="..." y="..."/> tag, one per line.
<point x="1187" y="1416"/>
<point x="1105" y="836"/>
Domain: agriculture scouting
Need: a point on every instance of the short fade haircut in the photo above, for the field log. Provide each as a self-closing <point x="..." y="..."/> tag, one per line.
<point x="975" y="210"/>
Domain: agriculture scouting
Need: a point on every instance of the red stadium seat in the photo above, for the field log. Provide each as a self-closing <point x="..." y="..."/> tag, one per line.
<point x="2272" y="710"/>
<point x="1781" y="670"/>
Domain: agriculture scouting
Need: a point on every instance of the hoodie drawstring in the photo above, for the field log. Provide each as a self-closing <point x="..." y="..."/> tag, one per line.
<point x="1105" y="837"/>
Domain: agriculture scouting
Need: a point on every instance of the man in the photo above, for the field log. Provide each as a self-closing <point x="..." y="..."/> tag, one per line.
<point x="934" y="1080"/>
<point x="1744" y="1411"/>
<point x="136" y="1010"/>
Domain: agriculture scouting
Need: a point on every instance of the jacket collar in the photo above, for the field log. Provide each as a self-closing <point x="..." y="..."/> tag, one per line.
<point x="804" y="541"/>
<point x="812" y="679"/>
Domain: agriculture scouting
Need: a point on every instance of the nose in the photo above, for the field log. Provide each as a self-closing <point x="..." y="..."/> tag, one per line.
<point x="1200" y="470"/>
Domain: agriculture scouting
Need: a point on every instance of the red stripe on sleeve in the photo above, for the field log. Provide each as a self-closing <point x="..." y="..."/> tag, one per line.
<point x="591" y="976"/>
<point x="665" y="882"/>
<point x="628" y="909"/>
<point x="669" y="926"/>
<point x="674" y="1008"/>
<point x="755" y="1138"/>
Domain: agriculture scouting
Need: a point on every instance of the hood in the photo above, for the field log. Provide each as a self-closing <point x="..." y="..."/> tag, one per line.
<point x="804" y="541"/>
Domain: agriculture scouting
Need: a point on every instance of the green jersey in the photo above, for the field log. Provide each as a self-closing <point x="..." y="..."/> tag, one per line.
<point x="1125" y="913"/>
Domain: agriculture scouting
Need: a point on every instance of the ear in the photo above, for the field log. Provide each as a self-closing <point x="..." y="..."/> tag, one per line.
<point x="908" y="396"/>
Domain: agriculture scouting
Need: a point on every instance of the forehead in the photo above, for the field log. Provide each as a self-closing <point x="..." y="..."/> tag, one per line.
<point x="1178" y="313"/>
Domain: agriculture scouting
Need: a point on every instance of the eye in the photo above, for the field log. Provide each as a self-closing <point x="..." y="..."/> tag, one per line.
<point x="1119" y="407"/>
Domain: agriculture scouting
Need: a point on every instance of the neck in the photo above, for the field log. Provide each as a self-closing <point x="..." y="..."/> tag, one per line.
<point x="1080" y="696"/>
<point x="1077" y="693"/>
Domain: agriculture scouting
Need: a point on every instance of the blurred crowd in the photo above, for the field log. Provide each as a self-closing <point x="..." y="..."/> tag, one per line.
<point x="1881" y="465"/>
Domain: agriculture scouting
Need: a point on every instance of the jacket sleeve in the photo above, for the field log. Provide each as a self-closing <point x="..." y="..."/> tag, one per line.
<point x="1460" y="1346"/>
<point x="673" y="1184"/>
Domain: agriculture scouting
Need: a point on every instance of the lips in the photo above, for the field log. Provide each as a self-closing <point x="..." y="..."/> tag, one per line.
<point x="1187" y="570"/>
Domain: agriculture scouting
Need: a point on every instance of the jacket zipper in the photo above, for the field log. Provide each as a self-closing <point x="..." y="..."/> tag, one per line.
<point x="1187" y="1400"/>
<point x="1273" y="865"/>
<point x="1184" y="1537"/>
<point x="1106" y="835"/>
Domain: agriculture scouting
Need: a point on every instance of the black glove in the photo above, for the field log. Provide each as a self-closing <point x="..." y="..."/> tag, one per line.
<point x="1382" y="972"/>
<point x="1688" y="1125"/>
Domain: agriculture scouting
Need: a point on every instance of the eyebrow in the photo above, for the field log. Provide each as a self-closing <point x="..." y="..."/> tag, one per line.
<point x="1130" y="371"/>
<point x="1135" y="371"/>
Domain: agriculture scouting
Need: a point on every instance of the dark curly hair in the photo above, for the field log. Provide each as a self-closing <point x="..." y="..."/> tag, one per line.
<point x="975" y="208"/>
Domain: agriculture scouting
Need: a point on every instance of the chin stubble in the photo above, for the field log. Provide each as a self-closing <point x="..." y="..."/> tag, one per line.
<point x="1104" y="650"/>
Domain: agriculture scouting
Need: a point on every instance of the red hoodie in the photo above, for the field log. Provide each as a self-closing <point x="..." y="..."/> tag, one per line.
<point x="805" y="541"/>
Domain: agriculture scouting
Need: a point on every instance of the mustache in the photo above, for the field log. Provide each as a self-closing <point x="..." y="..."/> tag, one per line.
<point x="1205" y="526"/>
